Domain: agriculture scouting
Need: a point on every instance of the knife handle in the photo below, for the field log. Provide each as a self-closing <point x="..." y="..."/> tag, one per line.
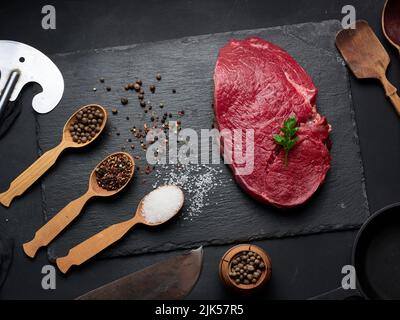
<point x="55" y="225"/>
<point x="30" y="175"/>
<point x="391" y="93"/>
<point x="95" y="244"/>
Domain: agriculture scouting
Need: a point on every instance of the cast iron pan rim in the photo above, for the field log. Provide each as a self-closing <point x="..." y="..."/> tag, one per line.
<point x="359" y="234"/>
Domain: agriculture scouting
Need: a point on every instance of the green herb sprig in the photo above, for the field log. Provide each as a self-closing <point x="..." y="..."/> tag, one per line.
<point x="288" y="137"/>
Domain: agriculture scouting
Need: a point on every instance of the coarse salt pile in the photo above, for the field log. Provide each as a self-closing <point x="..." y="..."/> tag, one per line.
<point x="198" y="182"/>
<point x="162" y="204"/>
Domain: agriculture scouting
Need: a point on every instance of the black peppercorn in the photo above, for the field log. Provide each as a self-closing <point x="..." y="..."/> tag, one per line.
<point x="245" y="268"/>
<point x="81" y="129"/>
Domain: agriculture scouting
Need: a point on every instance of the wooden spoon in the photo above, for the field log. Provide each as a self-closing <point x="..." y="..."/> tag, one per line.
<point x="41" y="165"/>
<point x="92" y="246"/>
<point x="391" y="22"/>
<point x="366" y="57"/>
<point x="60" y="221"/>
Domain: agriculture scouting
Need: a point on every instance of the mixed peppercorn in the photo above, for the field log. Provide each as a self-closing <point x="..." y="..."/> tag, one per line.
<point x="156" y="120"/>
<point x="114" y="172"/>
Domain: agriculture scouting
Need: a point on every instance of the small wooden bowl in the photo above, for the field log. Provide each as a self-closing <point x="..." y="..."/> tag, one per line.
<point x="225" y="266"/>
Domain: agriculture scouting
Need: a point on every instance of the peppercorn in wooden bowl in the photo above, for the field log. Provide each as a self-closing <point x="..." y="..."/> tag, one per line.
<point x="245" y="268"/>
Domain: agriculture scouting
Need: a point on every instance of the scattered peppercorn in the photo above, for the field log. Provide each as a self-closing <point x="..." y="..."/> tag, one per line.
<point x="142" y="103"/>
<point x="102" y="80"/>
<point x="173" y="91"/>
<point x="124" y="100"/>
<point x="148" y="169"/>
<point x="158" y="76"/>
<point x="152" y="88"/>
<point x="108" y="89"/>
<point x="136" y="86"/>
<point x="114" y="110"/>
<point x="161" y="105"/>
<point x="139" y="82"/>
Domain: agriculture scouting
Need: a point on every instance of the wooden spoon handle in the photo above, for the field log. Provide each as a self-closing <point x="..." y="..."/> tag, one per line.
<point x="395" y="99"/>
<point x="55" y="225"/>
<point x="92" y="246"/>
<point x="30" y="175"/>
<point x="391" y="93"/>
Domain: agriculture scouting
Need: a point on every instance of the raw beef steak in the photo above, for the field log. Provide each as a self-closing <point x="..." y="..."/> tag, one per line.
<point x="258" y="86"/>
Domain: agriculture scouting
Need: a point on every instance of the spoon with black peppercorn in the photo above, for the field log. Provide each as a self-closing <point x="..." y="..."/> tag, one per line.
<point x="82" y="128"/>
<point x="108" y="178"/>
<point x="156" y="208"/>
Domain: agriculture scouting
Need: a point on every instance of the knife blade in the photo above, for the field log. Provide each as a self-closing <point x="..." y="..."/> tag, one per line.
<point x="172" y="279"/>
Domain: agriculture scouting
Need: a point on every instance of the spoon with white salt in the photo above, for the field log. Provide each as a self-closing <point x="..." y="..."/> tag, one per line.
<point x="156" y="208"/>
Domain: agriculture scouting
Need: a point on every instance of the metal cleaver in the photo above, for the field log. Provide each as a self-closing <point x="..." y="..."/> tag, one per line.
<point x="172" y="279"/>
<point x="21" y="64"/>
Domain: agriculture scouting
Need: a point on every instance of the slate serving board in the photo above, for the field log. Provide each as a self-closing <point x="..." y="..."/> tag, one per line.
<point x="226" y="214"/>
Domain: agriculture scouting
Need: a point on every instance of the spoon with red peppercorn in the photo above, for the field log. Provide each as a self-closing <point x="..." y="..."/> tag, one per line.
<point x="108" y="178"/>
<point x="82" y="128"/>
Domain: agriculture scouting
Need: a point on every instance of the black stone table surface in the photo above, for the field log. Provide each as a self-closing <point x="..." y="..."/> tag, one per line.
<point x="304" y="266"/>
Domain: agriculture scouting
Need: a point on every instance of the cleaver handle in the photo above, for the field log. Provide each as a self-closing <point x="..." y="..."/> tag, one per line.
<point x="7" y="91"/>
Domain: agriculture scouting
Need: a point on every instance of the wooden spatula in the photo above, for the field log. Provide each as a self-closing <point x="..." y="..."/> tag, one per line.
<point x="366" y="57"/>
